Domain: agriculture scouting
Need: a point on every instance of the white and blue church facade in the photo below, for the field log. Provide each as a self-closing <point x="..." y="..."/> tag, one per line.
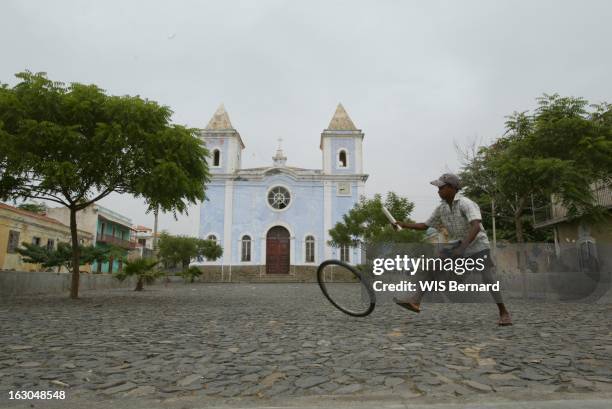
<point x="275" y="219"/>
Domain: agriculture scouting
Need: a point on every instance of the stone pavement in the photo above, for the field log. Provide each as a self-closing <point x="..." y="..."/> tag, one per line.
<point x="214" y="344"/>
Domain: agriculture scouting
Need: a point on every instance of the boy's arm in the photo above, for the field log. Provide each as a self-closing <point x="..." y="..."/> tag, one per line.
<point x="433" y="220"/>
<point x="469" y="237"/>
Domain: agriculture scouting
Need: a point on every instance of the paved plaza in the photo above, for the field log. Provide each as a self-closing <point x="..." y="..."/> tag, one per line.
<point x="210" y="344"/>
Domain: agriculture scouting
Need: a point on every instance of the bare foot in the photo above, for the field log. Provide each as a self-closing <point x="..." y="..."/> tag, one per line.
<point x="414" y="307"/>
<point x="504" y="319"/>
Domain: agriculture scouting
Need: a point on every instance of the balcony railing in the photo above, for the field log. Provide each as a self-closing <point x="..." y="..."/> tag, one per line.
<point x="549" y="214"/>
<point x="108" y="239"/>
<point x="556" y="212"/>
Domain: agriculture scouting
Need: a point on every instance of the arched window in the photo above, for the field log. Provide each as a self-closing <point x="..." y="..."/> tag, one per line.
<point x="216" y="157"/>
<point x="310" y="249"/>
<point x="345" y="254"/>
<point x="245" y="254"/>
<point x="342" y="159"/>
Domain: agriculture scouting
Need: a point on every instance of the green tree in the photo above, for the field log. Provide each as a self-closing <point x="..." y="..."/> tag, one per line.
<point x="561" y="148"/>
<point x="366" y="223"/>
<point x="31" y="253"/>
<point x="74" y="145"/>
<point x="175" y="250"/>
<point x="209" y="249"/>
<point x="480" y="185"/>
<point x="33" y="207"/>
<point x="62" y="255"/>
<point x="143" y="269"/>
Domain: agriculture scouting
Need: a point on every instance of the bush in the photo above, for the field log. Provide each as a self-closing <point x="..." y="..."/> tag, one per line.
<point x="143" y="269"/>
<point x="191" y="274"/>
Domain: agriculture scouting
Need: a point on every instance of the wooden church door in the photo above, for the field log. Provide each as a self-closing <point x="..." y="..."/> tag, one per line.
<point x="277" y="251"/>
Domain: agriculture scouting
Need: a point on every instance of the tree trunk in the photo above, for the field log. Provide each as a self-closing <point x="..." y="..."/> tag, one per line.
<point x="518" y="226"/>
<point x="520" y="240"/>
<point x="74" y="286"/>
<point x="139" y="284"/>
<point x="518" y="221"/>
<point x="494" y="247"/>
<point x="156" y="213"/>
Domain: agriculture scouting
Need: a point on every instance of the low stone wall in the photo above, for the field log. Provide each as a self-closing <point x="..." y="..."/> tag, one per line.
<point x="254" y="274"/>
<point x="568" y="286"/>
<point x="14" y="283"/>
<point x="542" y="286"/>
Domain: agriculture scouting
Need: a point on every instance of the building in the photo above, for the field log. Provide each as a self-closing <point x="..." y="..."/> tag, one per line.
<point x="580" y="240"/>
<point x="271" y="219"/>
<point x="18" y="226"/>
<point x="107" y="227"/>
<point x="144" y="237"/>
<point x="144" y="240"/>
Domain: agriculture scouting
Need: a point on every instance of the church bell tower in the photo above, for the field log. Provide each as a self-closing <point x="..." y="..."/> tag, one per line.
<point x="223" y="143"/>
<point x="341" y="144"/>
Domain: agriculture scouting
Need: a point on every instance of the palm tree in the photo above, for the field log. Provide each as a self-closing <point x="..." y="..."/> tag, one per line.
<point x="191" y="274"/>
<point x="141" y="268"/>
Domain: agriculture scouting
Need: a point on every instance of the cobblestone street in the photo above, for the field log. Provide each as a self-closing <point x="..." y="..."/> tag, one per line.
<point x="217" y="342"/>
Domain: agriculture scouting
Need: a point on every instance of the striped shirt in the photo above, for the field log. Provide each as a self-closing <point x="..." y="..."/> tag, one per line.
<point x="456" y="220"/>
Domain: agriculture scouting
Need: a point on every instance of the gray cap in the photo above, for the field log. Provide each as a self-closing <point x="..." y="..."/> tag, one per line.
<point x="448" y="179"/>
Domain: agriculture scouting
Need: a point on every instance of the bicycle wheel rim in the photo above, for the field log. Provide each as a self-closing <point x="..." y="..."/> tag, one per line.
<point x="349" y="292"/>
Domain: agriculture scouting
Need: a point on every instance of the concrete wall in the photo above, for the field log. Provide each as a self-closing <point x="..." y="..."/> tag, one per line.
<point x="569" y="232"/>
<point x="87" y="218"/>
<point x="14" y="283"/>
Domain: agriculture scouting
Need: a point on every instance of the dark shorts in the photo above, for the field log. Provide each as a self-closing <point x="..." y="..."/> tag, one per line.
<point x="488" y="274"/>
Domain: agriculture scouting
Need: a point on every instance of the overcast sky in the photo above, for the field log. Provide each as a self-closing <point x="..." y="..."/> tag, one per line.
<point x="414" y="76"/>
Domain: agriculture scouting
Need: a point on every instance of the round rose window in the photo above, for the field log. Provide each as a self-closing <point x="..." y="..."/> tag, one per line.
<point x="279" y="197"/>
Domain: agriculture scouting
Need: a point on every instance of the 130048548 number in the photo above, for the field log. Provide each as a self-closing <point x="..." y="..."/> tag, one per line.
<point x="40" y="395"/>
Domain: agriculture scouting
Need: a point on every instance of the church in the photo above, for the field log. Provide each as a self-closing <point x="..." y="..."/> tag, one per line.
<point x="274" y="220"/>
